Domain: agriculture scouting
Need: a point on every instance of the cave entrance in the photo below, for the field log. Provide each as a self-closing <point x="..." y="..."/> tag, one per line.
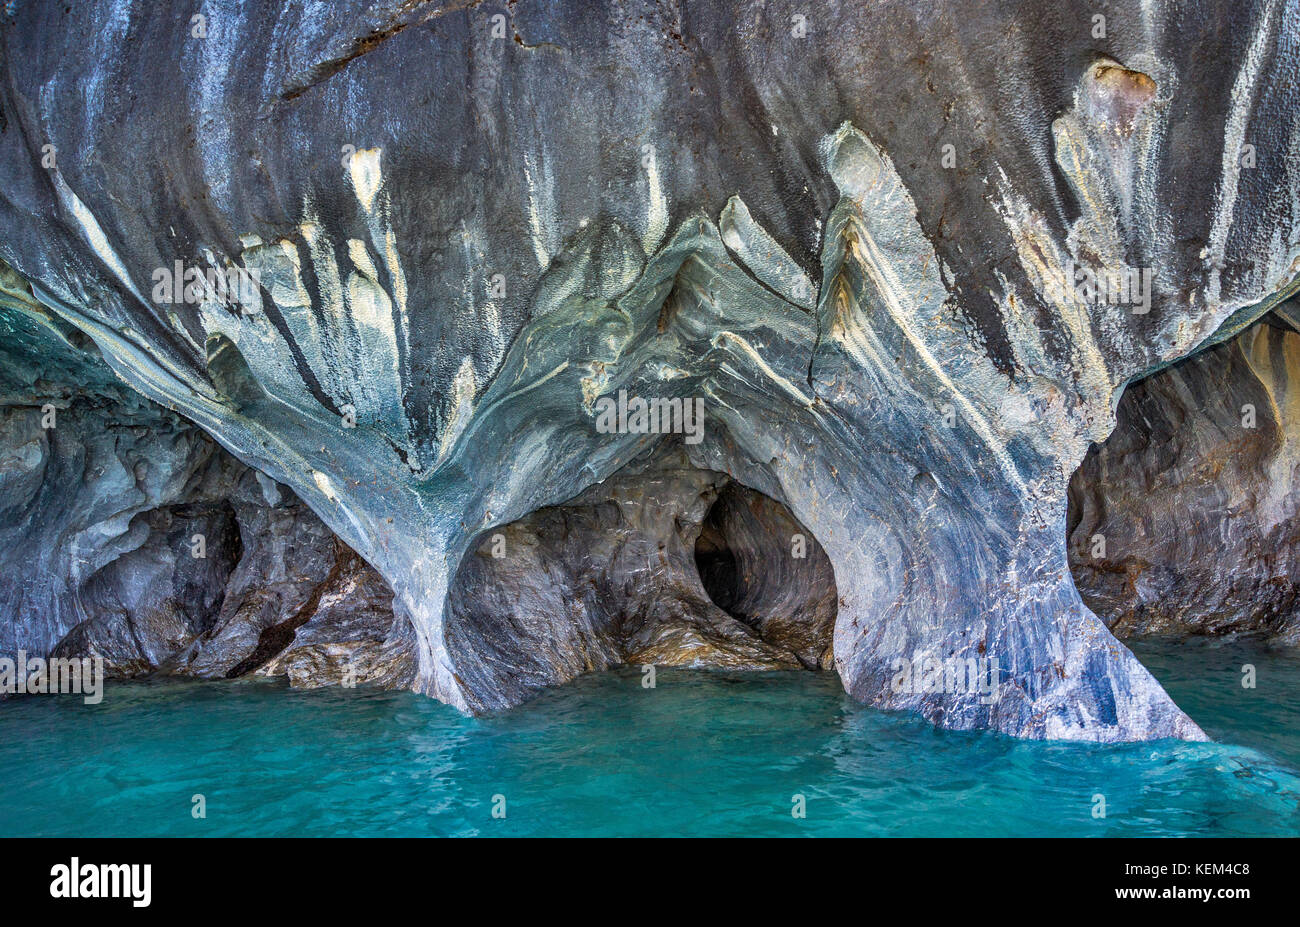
<point x="663" y="564"/>
<point x="762" y="567"/>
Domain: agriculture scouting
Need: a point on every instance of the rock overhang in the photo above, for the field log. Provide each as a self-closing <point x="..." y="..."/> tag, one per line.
<point x="920" y="407"/>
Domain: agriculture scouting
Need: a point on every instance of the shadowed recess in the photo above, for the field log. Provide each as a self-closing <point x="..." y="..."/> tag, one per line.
<point x="665" y="563"/>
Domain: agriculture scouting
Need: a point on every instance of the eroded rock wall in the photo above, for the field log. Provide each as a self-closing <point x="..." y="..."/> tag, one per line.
<point x="1186" y="520"/>
<point x="127" y="533"/>
<point x="613" y="577"/>
<point x="856" y="241"/>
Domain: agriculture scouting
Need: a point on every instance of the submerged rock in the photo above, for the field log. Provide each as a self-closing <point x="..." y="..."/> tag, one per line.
<point x="907" y="257"/>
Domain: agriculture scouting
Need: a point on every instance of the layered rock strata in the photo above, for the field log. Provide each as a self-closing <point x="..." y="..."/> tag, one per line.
<point x="128" y="534"/>
<point x="863" y="252"/>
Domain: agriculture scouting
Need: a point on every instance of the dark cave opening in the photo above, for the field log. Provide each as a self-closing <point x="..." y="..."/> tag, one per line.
<point x="715" y="561"/>
<point x="663" y="564"/>
<point x="761" y="566"/>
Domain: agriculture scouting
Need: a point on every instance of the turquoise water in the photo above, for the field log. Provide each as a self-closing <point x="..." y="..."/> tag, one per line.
<point x="702" y="753"/>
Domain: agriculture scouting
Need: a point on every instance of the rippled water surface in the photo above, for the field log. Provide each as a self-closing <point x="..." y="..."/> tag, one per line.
<point x="702" y="753"/>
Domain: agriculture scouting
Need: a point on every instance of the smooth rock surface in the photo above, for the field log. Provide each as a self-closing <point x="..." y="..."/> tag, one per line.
<point x="850" y="237"/>
<point x="612" y="578"/>
<point x="1186" y="520"/>
<point x="102" y="512"/>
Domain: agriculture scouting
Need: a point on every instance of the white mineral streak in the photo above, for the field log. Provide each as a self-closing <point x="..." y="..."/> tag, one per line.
<point x="656" y="220"/>
<point x="382" y="321"/>
<point x="361" y="260"/>
<point x="758" y="251"/>
<point x="1241" y="102"/>
<point x="1044" y="264"/>
<point x="123" y="340"/>
<point x="541" y="210"/>
<point x="885" y="239"/>
<point x="463" y="389"/>
<point x="94" y="235"/>
<point x="731" y="339"/>
<point x="366" y="175"/>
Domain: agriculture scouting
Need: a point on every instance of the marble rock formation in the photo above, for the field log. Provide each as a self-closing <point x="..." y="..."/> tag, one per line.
<point x="127" y="533"/>
<point x="1186" y="520"/>
<point x="662" y="564"/>
<point x="854" y="232"/>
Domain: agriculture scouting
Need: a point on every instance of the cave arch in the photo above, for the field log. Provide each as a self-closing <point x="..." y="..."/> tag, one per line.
<point x="612" y="577"/>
